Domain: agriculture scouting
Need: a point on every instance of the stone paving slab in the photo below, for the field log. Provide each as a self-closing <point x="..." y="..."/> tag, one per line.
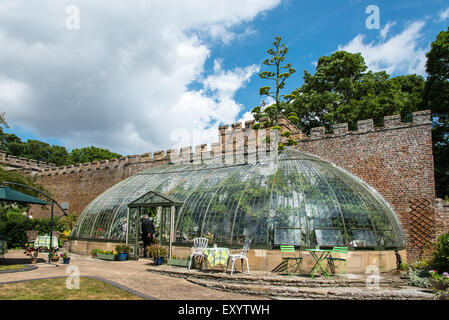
<point x="322" y="293"/>
<point x="265" y="284"/>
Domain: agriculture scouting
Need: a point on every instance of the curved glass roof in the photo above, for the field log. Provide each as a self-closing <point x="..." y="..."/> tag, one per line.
<point x="294" y="199"/>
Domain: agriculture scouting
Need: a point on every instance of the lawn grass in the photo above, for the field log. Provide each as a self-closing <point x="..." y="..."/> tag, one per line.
<point x="55" y="289"/>
<point x="12" y="267"/>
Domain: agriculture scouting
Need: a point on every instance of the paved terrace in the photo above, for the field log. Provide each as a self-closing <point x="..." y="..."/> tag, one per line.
<point x="177" y="283"/>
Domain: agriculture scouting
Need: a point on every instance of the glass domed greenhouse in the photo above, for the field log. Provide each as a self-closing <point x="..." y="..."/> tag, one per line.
<point x="294" y="199"/>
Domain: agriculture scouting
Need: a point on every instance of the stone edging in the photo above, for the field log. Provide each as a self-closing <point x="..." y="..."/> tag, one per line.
<point x="29" y="268"/>
<point x="115" y="284"/>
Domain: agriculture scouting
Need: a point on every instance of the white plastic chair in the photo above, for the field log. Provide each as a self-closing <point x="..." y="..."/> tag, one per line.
<point x="199" y="245"/>
<point x="241" y="256"/>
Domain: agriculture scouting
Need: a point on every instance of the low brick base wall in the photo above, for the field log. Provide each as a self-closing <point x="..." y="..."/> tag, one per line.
<point x="266" y="260"/>
<point x="85" y="247"/>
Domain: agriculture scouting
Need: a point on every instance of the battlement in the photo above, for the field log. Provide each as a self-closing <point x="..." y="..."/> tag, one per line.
<point x="237" y="138"/>
<point x="19" y="163"/>
<point x="366" y="126"/>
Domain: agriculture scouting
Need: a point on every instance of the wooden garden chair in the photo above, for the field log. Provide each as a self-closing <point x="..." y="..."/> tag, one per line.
<point x="31" y="238"/>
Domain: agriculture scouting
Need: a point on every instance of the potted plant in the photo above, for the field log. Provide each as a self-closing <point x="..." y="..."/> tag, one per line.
<point x="106" y="255"/>
<point x="94" y="252"/>
<point x="32" y="253"/>
<point x="54" y="256"/>
<point x="439" y="282"/>
<point x="65" y="258"/>
<point x="157" y="252"/>
<point x="122" y="252"/>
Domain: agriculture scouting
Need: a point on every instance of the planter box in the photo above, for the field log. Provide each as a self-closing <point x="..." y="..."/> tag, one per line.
<point x="178" y="262"/>
<point x="103" y="256"/>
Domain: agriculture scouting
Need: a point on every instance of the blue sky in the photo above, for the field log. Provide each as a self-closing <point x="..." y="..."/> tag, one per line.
<point x="147" y="76"/>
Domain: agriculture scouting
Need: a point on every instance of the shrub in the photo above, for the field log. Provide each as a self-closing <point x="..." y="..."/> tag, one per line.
<point x="276" y="128"/>
<point x="286" y="134"/>
<point x="256" y="126"/>
<point x="281" y="147"/>
<point x="292" y="142"/>
<point x="441" y="254"/>
<point x="123" y="248"/>
<point x="14" y="225"/>
<point x="417" y="281"/>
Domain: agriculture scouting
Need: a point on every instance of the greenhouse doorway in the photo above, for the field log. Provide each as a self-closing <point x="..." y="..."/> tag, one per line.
<point x="166" y="208"/>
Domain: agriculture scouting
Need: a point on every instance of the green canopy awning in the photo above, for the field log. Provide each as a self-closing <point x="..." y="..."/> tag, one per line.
<point x="8" y="194"/>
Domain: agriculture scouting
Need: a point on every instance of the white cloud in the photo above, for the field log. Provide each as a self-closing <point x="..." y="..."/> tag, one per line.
<point x="386" y="29"/>
<point x="398" y="54"/>
<point x="12" y="92"/>
<point x="122" y="80"/>
<point x="444" y="14"/>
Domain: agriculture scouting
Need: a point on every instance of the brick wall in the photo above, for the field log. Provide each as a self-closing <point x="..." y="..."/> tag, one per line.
<point x="81" y="184"/>
<point x="441" y="217"/>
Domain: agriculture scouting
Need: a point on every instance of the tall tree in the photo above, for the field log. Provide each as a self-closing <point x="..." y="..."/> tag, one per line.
<point x="342" y="90"/>
<point x="436" y="96"/>
<point x="279" y="76"/>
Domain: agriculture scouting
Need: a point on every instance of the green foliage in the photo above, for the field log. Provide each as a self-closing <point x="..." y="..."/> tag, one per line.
<point x="276" y="128"/>
<point x="441" y="254"/>
<point x="69" y="221"/>
<point x="256" y="126"/>
<point x="281" y="73"/>
<point x="33" y="149"/>
<point x="281" y="147"/>
<point x="286" y="134"/>
<point x="123" y="248"/>
<point x="156" y="251"/>
<point x="14" y="225"/>
<point x="94" y="252"/>
<point x="268" y="124"/>
<point x="291" y="142"/>
<point x="436" y="95"/>
<point x="89" y="154"/>
<point x="41" y="151"/>
<point x="418" y="280"/>
<point x="342" y="90"/>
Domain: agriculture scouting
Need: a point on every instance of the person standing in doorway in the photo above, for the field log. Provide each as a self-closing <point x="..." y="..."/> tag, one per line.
<point x="147" y="233"/>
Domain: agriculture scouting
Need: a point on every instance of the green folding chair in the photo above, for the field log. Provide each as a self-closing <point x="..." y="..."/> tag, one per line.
<point x="289" y="260"/>
<point x="331" y="260"/>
